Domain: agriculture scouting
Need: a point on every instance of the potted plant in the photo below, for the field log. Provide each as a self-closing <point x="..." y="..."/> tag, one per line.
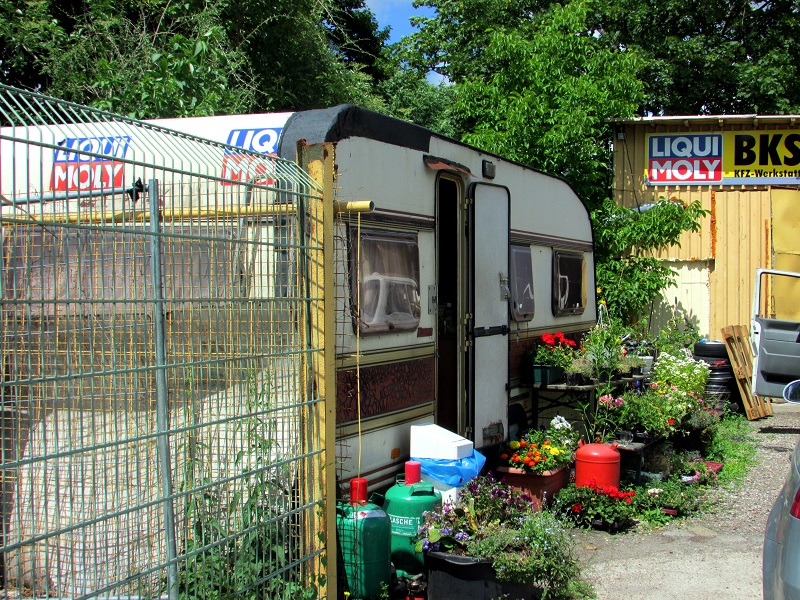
<point x="538" y="463"/>
<point x="550" y="357"/>
<point x="603" y="346"/>
<point x="490" y="544"/>
<point x="579" y="371"/>
<point x="601" y="507"/>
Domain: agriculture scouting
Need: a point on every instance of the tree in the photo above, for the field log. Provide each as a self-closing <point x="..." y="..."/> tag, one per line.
<point x="710" y="56"/>
<point x="544" y="93"/>
<point x="408" y="95"/>
<point x="628" y="276"/>
<point x="164" y="59"/>
<point x="354" y="31"/>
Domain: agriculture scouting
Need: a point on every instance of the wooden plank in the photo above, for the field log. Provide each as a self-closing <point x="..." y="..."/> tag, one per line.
<point x="740" y="354"/>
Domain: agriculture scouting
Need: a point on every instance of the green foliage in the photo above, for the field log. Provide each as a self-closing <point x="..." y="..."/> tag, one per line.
<point x="733" y="445"/>
<point x="671" y="494"/>
<point x="714" y="57"/>
<point x="539" y="549"/>
<point x="164" y="59"/>
<point x="238" y="540"/>
<point x="603" y="347"/>
<point x="542" y="93"/>
<point x="628" y="275"/>
<point x="408" y="95"/>
<point x="679" y="335"/>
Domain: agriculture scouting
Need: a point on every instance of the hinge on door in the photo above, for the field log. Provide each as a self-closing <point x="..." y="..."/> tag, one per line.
<point x="467" y="318"/>
<point x="467" y="344"/>
<point x="467" y="202"/>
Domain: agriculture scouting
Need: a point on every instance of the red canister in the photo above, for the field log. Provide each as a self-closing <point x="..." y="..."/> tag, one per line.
<point x="598" y="464"/>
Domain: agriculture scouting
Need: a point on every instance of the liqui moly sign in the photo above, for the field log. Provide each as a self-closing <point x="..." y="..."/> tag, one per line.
<point x="89" y="163"/>
<point x="684" y="159"/>
<point x="759" y="157"/>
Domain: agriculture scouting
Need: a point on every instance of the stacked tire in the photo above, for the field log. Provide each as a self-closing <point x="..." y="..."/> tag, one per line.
<point x="721" y="388"/>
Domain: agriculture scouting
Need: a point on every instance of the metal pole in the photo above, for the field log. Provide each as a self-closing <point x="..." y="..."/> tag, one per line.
<point x="162" y="400"/>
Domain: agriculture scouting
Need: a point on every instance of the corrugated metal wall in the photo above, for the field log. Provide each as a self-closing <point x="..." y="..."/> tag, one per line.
<point x="735" y="239"/>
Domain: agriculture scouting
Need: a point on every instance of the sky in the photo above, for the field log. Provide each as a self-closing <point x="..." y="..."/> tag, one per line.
<point x="396" y="14"/>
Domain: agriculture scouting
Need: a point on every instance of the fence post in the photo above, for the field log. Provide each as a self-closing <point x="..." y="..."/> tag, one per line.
<point x="317" y="160"/>
<point x="162" y="396"/>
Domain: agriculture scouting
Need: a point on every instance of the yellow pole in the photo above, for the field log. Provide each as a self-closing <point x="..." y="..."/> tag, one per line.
<point x="318" y="162"/>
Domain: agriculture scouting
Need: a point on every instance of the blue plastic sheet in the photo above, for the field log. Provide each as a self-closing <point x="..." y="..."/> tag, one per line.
<point x="453" y="472"/>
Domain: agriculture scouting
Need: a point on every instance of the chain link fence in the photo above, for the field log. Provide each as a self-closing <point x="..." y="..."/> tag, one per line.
<point x="160" y="430"/>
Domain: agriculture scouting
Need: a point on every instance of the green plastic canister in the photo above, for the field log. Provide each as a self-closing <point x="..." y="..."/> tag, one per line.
<point x="364" y="532"/>
<point x="405" y="503"/>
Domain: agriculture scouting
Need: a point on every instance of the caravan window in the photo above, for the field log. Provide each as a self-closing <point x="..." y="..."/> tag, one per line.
<point x="569" y="283"/>
<point x="521" y="284"/>
<point x="388" y="274"/>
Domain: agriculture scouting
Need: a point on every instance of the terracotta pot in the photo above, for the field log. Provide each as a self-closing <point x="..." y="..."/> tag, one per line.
<point x="540" y="486"/>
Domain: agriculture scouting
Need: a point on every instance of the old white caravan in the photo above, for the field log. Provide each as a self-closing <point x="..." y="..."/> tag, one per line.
<point x="466" y="259"/>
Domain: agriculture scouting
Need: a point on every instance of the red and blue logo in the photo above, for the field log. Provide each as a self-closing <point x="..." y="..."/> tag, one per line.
<point x="684" y="159"/>
<point x="242" y="167"/>
<point x="89" y="163"/>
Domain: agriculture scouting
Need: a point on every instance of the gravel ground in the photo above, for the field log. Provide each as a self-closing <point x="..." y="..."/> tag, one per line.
<point x="714" y="555"/>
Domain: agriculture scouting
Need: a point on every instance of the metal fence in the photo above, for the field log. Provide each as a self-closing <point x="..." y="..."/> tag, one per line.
<point x="160" y="430"/>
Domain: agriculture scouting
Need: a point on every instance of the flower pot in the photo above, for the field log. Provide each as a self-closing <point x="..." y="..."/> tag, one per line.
<point x="574" y="379"/>
<point x="454" y="577"/>
<point x="539" y="486"/>
<point x="546" y="374"/>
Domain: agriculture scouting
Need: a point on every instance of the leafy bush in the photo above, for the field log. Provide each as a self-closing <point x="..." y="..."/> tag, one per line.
<point x="734" y="446"/>
<point x="538" y="550"/>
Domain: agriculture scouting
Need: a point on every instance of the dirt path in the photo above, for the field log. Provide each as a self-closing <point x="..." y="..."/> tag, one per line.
<point x="716" y="555"/>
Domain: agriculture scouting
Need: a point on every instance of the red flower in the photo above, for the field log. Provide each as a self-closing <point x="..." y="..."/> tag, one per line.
<point x="549" y="339"/>
<point x="570" y="343"/>
<point x="628" y="500"/>
<point x="671" y="421"/>
<point x="576" y="508"/>
<point x="559" y="337"/>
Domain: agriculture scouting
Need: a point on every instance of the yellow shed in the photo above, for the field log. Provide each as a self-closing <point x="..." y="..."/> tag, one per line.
<point x="745" y="170"/>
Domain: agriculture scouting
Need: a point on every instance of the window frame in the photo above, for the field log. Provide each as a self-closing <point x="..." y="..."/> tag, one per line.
<point x="360" y="325"/>
<point x="555" y="295"/>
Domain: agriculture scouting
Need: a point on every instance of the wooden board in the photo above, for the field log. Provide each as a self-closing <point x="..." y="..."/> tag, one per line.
<point x="740" y="353"/>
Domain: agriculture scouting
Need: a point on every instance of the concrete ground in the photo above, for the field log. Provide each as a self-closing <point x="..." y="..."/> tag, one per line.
<point x="716" y="555"/>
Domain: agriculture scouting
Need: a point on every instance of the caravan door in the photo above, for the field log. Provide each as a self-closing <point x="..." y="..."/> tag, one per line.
<point x="487" y="349"/>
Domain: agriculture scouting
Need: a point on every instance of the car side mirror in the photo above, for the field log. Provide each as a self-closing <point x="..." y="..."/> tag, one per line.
<point x="791" y="393"/>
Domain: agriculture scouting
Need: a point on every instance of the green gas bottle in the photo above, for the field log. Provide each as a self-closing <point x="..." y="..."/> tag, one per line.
<point x="405" y="503"/>
<point x="364" y="534"/>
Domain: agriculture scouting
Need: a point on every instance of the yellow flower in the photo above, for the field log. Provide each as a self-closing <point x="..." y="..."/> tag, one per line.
<point x="514" y="445"/>
<point x="599" y="290"/>
<point x="603" y="302"/>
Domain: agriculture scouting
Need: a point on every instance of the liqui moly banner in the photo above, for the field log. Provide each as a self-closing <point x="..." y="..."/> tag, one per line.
<point x="727" y="158"/>
<point x="256" y="133"/>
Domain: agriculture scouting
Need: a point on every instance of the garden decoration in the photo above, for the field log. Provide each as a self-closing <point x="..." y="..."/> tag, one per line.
<point x="491" y="540"/>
